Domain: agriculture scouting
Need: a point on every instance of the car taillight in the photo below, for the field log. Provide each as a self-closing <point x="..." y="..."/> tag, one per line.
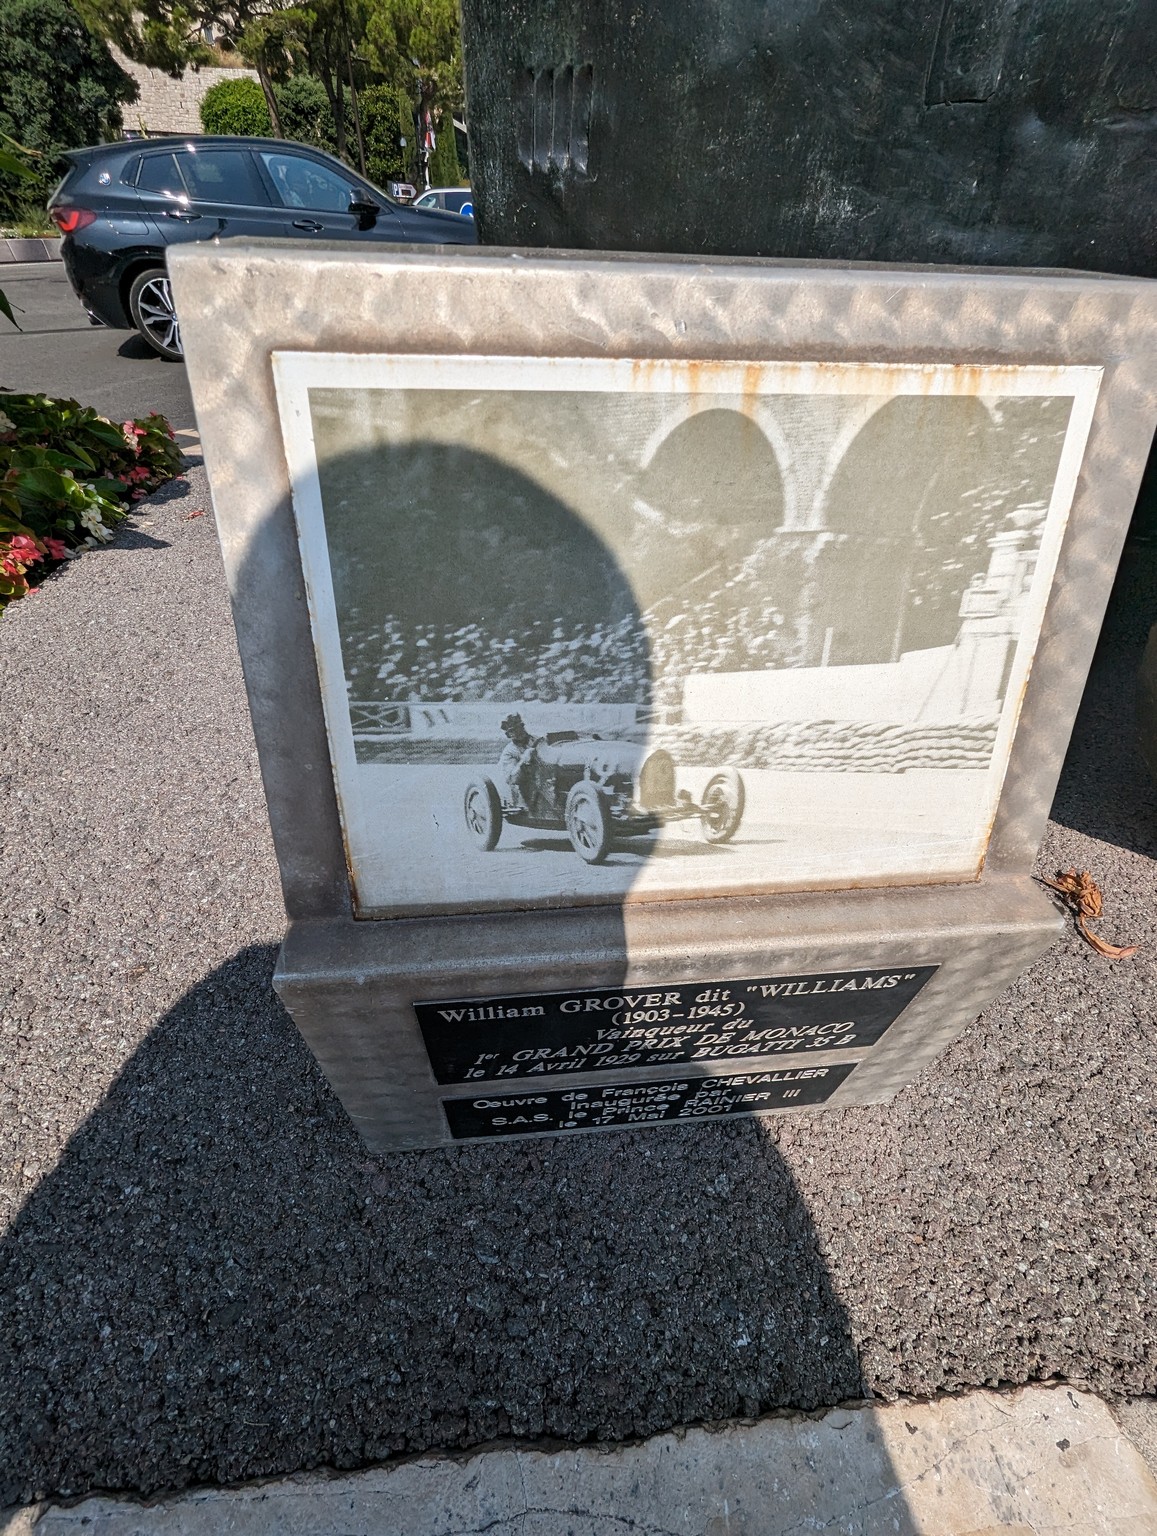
<point x="69" y="220"/>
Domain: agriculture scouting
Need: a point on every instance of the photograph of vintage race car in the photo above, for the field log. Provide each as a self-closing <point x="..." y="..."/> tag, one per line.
<point x="599" y="791"/>
<point x="593" y="630"/>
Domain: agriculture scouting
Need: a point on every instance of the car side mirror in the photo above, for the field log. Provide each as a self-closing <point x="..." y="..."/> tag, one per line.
<point x="367" y="211"/>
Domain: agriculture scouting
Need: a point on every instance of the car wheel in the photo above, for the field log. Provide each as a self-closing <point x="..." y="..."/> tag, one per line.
<point x="723" y="802"/>
<point x="657" y="781"/>
<point x="151" y="307"/>
<point x="587" y="823"/>
<point x="483" y="811"/>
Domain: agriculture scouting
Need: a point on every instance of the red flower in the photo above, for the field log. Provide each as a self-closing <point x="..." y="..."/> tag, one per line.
<point x="19" y="555"/>
<point x="57" y="548"/>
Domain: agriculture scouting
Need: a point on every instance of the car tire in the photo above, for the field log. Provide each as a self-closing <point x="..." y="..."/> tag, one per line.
<point x="587" y="823"/>
<point x="153" y="314"/>
<point x="482" y="809"/>
<point x="723" y="802"/>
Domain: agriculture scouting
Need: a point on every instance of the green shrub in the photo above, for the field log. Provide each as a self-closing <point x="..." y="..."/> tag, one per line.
<point x="239" y="107"/>
<point x="66" y="476"/>
<point x="383" y="124"/>
<point x="306" y="114"/>
<point x="236" y="107"/>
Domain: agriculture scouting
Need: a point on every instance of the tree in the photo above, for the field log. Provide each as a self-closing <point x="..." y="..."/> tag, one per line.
<point x="318" y="39"/>
<point x="164" y="34"/>
<point x="235" y="106"/>
<point x="346" y="45"/>
<point x="416" y="44"/>
<point x="305" y="112"/>
<point x="385" y="122"/>
<point x="264" y="42"/>
<point x="60" y="88"/>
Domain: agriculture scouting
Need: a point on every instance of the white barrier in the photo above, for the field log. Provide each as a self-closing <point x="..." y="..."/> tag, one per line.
<point x="950" y="682"/>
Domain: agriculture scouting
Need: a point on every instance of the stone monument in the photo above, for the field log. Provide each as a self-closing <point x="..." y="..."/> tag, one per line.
<point x="660" y="668"/>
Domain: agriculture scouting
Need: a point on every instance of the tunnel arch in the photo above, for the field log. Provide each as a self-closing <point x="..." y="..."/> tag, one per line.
<point x="715" y="483"/>
<point x="762" y="420"/>
<point x="900" y="527"/>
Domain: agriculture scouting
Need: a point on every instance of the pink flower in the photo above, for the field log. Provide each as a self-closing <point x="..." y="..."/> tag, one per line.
<point x="19" y="555"/>
<point x="57" y="548"/>
<point x="137" y="496"/>
<point x="138" y="472"/>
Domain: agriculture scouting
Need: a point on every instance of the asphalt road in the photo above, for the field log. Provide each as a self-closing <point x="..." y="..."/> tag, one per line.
<point x="58" y="352"/>
<point x="205" y="1277"/>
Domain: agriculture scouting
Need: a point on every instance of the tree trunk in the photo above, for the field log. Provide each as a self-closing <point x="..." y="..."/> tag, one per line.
<point x="349" y="68"/>
<point x="333" y="91"/>
<point x="270" y="98"/>
<point x="339" y="116"/>
<point x="356" y="110"/>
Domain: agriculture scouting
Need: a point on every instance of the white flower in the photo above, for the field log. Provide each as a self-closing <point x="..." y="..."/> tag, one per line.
<point x="90" y="519"/>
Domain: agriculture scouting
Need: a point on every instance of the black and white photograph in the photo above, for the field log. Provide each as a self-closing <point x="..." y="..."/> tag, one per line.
<point x="603" y="630"/>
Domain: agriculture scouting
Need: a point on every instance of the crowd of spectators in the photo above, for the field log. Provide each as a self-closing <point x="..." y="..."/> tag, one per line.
<point x="544" y="660"/>
<point x="642" y="659"/>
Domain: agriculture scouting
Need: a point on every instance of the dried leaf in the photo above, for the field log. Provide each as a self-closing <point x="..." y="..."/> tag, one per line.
<point x="1083" y="895"/>
<point x="196" y="512"/>
<point x="1103" y="947"/>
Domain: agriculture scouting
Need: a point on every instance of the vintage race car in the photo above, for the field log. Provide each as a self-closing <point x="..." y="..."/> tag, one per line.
<point x="599" y="791"/>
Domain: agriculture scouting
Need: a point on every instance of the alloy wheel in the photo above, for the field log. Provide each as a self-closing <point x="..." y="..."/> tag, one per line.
<point x="157" y="314"/>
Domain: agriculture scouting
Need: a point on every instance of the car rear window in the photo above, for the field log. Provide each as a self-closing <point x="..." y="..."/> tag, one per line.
<point x="222" y="176"/>
<point x="159" y="173"/>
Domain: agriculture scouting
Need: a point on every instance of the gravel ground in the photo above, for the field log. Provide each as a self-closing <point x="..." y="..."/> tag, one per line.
<point x="206" y="1278"/>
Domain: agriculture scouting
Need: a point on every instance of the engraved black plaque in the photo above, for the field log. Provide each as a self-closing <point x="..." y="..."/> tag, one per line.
<point x="625" y="1104"/>
<point x="552" y="1033"/>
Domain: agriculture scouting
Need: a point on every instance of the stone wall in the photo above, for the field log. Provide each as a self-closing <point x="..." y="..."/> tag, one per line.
<point x="166" y="105"/>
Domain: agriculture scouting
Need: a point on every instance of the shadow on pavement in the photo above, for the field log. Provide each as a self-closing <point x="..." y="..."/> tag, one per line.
<point x="1105" y="790"/>
<point x="218" y="1283"/>
<point x="138" y="350"/>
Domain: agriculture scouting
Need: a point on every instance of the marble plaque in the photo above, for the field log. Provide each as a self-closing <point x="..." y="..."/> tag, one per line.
<point x="629" y="637"/>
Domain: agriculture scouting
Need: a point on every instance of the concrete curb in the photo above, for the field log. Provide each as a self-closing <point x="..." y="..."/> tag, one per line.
<point x="13" y="251"/>
<point x="1039" y="1459"/>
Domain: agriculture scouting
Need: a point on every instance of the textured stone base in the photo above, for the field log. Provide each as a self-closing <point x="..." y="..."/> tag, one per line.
<point x="350" y="986"/>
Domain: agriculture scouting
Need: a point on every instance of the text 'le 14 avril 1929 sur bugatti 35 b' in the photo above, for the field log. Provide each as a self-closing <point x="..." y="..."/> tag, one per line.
<point x="599" y="791"/>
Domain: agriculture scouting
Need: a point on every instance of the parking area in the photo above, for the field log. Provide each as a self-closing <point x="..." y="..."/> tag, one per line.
<point x="57" y="351"/>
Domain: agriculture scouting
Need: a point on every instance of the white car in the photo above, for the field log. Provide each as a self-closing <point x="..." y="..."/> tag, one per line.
<point x="449" y="200"/>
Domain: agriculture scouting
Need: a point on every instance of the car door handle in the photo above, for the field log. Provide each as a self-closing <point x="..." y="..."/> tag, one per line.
<point x="186" y="215"/>
<point x="311" y="224"/>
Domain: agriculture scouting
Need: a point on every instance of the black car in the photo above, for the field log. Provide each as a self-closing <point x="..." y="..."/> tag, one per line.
<point x="121" y="205"/>
<point x="600" y="790"/>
